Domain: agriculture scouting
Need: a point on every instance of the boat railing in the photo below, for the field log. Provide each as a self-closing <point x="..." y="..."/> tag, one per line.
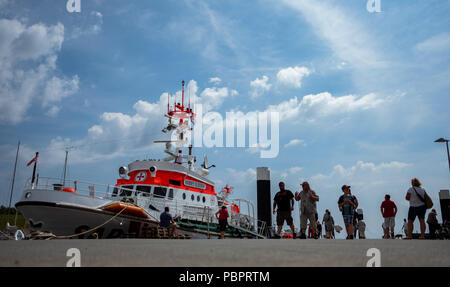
<point x="77" y="186"/>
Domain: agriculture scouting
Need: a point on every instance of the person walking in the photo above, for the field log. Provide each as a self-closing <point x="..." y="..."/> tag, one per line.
<point x="347" y="204"/>
<point x="284" y="200"/>
<point x="222" y="216"/>
<point x="417" y="207"/>
<point x="433" y="224"/>
<point x="328" y="222"/>
<point x="388" y="211"/>
<point x="308" y="209"/>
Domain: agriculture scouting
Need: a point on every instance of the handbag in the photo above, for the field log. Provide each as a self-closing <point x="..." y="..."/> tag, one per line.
<point x="427" y="200"/>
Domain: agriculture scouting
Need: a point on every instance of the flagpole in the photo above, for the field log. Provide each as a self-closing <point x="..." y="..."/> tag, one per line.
<point x="34" y="170"/>
<point x="13" y="179"/>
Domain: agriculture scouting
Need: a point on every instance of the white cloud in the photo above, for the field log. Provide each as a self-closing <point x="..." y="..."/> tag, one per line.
<point x="242" y="176"/>
<point x="213" y="97"/>
<point x="295" y="142"/>
<point x="312" y="107"/>
<point x="437" y="43"/>
<point x="57" y="89"/>
<point x="215" y="80"/>
<point x="344" y="35"/>
<point x="53" y="111"/>
<point x="259" y="86"/>
<point x="292" y="76"/>
<point x="91" y="25"/>
<point x="27" y="59"/>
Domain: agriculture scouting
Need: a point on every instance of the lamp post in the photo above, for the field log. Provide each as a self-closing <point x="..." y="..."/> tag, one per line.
<point x="442" y="140"/>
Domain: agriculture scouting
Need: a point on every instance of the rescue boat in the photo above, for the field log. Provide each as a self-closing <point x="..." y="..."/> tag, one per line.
<point x="141" y="193"/>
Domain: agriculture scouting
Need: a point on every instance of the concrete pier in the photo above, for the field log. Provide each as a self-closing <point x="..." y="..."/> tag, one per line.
<point x="228" y="252"/>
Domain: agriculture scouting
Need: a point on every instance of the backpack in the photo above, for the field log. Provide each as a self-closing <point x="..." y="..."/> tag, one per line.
<point x="427" y="200"/>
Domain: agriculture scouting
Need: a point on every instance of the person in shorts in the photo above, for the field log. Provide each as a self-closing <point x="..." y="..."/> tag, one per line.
<point x="284" y="200"/>
<point x="347" y="204"/>
<point x="308" y="210"/>
<point x="417" y="208"/>
<point x="388" y="211"/>
<point x="222" y="215"/>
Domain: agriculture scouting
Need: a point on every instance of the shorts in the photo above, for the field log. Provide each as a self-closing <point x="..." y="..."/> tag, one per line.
<point x="348" y="218"/>
<point x="389" y="222"/>
<point x="418" y="211"/>
<point x="223" y="225"/>
<point x="282" y="216"/>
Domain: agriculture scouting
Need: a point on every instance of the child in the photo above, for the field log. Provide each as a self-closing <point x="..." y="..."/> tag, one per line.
<point x="362" y="228"/>
<point x="347" y="205"/>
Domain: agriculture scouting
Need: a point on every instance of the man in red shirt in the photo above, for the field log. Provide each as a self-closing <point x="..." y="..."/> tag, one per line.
<point x="222" y="215"/>
<point x="388" y="210"/>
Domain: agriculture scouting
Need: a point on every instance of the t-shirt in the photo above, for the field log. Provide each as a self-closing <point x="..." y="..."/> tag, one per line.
<point x="347" y="209"/>
<point x="223" y="214"/>
<point x="388" y="208"/>
<point x="415" y="200"/>
<point x="165" y="219"/>
<point x="283" y="200"/>
<point x="307" y="205"/>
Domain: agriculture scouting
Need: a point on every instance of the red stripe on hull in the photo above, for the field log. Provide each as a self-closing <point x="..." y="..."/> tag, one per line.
<point x="163" y="177"/>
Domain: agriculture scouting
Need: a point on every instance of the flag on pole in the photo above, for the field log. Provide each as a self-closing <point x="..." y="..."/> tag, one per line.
<point x="35" y="159"/>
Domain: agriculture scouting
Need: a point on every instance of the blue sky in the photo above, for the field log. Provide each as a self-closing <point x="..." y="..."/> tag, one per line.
<point x="362" y="95"/>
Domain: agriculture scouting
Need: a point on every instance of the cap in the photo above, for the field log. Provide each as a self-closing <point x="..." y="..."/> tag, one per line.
<point x="345" y="186"/>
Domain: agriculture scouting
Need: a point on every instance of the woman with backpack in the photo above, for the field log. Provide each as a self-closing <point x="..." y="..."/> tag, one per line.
<point x="417" y="207"/>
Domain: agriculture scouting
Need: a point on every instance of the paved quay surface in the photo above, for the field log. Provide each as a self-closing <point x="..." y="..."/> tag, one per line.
<point x="228" y="253"/>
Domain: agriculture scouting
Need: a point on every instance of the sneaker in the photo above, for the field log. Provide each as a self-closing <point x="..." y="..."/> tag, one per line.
<point x="276" y="236"/>
<point x="316" y="236"/>
<point x="351" y="237"/>
<point x="302" y="235"/>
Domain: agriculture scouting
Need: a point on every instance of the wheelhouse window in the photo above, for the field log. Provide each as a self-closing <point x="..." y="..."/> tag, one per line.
<point x="126" y="192"/>
<point x="170" y="196"/>
<point x="143" y="190"/>
<point x="160" y="191"/>
<point x="174" y="182"/>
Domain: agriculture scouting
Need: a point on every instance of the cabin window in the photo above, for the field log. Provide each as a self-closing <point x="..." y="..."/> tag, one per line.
<point x="160" y="191"/>
<point x="204" y="199"/>
<point x="198" y="198"/>
<point x="184" y="196"/>
<point x="127" y="192"/>
<point x="192" y="197"/>
<point x="174" y="182"/>
<point x="143" y="190"/>
<point x="170" y="193"/>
